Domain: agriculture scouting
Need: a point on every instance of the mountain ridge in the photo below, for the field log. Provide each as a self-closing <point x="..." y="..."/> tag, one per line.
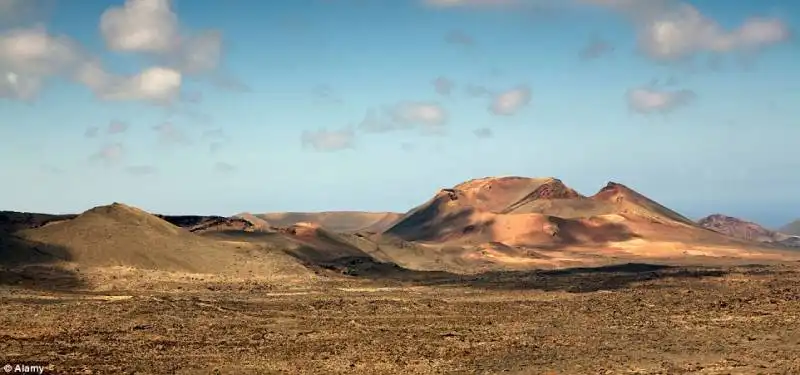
<point x="792" y="228"/>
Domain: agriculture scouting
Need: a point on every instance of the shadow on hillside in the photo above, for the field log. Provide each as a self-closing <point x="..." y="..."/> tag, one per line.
<point x="33" y="265"/>
<point x="428" y="224"/>
<point x="350" y="261"/>
<point x="574" y="233"/>
<point x="424" y="226"/>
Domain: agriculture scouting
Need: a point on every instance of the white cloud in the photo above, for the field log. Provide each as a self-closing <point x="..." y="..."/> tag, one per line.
<point x="428" y="114"/>
<point x="672" y="30"/>
<point x="329" y="140"/>
<point x="443" y="85"/>
<point x="429" y="117"/>
<point x="140" y="26"/>
<point x="154" y="84"/>
<point x="14" y="86"/>
<point x="158" y="85"/>
<point x="686" y="32"/>
<point x="34" y="51"/>
<point x="667" y="29"/>
<point x="651" y="100"/>
<point x="31" y="56"/>
<point x="199" y="53"/>
<point x="152" y="27"/>
<point x="510" y="102"/>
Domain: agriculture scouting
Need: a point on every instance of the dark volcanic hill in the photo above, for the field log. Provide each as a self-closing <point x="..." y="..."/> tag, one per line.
<point x="203" y="224"/>
<point x="12" y="221"/>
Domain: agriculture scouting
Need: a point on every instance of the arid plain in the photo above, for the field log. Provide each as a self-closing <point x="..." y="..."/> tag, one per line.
<point x="495" y="275"/>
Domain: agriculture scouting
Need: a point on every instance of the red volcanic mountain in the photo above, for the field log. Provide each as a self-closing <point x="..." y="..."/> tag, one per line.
<point x="739" y="228"/>
<point x="519" y="211"/>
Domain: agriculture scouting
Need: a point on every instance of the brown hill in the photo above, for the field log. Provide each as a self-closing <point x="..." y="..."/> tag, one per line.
<point x="120" y="235"/>
<point x="739" y="228"/>
<point x="337" y="221"/>
<point x="539" y="212"/>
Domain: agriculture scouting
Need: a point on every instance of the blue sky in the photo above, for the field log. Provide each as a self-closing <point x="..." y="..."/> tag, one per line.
<point x="219" y="107"/>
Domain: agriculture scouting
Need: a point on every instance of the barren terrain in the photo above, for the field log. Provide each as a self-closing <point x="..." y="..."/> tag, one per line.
<point x="495" y="275"/>
<point x="632" y="319"/>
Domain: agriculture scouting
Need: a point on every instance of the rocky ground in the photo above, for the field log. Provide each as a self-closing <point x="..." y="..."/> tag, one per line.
<point x="615" y="320"/>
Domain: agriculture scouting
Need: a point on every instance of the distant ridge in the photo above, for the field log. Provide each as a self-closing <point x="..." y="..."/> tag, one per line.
<point x="336" y="221"/>
<point x="792" y="228"/>
<point x="12" y="221"/>
<point x="739" y="228"/>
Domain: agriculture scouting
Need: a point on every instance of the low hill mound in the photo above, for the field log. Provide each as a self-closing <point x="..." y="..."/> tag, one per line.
<point x="120" y="235"/>
<point x="336" y="221"/>
<point x="792" y="229"/>
<point x="739" y="228"/>
<point x="793" y="241"/>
